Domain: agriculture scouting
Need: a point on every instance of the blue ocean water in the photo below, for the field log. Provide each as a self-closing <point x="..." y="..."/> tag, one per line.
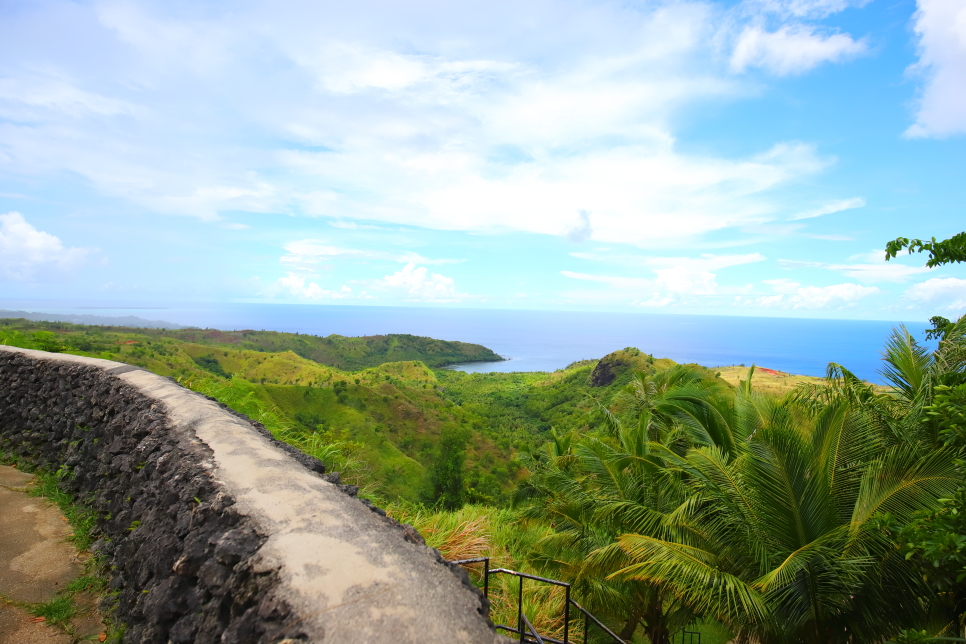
<point x="549" y="340"/>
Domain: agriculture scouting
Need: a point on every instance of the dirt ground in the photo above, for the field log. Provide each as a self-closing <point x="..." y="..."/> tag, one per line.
<point x="36" y="562"/>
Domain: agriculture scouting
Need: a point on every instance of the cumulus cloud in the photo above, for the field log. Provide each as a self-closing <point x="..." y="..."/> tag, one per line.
<point x="794" y="296"/>
<point x="941" y="29"/>
<point x="300" y="287"/>
<point x="945" y="292"/>
<point x="416" y="283"/>
<point x="833" y="207"/>
<point x="792" y="49"/>
<point x="27" y="253"/>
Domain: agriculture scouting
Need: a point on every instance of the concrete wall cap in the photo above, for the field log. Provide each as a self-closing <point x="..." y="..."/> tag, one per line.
<point x="347" y="572"/>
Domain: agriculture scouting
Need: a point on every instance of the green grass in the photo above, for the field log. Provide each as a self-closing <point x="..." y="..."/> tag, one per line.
<point x="58" y="612"/>
<point x="81" y="517"/>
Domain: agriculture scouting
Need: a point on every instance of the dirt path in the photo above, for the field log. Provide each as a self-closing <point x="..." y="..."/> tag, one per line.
<point x="35" y="563"/>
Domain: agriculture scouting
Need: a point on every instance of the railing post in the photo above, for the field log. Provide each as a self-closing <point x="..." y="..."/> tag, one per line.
<point x="486" y="577"/>
<point x="520" y="611"/>
<point x="567" y="616"/>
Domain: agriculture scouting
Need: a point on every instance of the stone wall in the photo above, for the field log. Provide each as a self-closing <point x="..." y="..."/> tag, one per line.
<point x="214" y="531"/>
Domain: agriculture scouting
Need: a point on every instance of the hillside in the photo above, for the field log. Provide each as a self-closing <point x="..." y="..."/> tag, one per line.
<point x="341" y="352"/>
<point x="380" y="424"/>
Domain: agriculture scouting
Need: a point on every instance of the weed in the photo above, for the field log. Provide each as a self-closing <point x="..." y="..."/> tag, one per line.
<point x="85" y="584"/>
<point x="80" y="517"/>
<point x="58" y="611"/>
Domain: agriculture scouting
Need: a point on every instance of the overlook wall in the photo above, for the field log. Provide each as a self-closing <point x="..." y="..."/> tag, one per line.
<point x="214" y="531"/>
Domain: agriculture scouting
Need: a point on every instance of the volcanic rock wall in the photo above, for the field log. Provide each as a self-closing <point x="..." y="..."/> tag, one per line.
<point x="213" y="530"/>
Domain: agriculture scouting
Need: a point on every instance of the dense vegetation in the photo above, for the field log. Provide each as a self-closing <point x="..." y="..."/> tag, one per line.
<point x="399" y="425"/>
<point x="832" y="511"/>
<point x="334" y="350"/>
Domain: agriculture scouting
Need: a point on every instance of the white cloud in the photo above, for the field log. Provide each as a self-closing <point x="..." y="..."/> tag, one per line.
<point x="30" y="96"/>
<point x="677" y="280"/>
<point x="705" y="262"/>
<point x="624" y="283"/>
<point x="793" y="296"/>
<point x="581" y="230"/>
<point x="831" y="237"/>
<point x="478" y="117"/>
<point x="351" y="225"/>
<point x="682" y="281"/>
<point x="804" y="8"/>
<point x="792" y="49"/>
<point x="27" y="253"/>
<point x="946" y="292"/>
<point x="305" y="252"/>
<point x="637" y="195"/>
<point x="417" y="284"/>
<point x="941" y="28"/>
<point x="833" y="207"/>
<point x="301" y="288"/>
<point x="874" y="268"/>
<point x="783" y="286"/>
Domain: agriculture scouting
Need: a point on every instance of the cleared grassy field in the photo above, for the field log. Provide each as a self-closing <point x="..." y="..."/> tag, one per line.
<point x="765" y="379"/>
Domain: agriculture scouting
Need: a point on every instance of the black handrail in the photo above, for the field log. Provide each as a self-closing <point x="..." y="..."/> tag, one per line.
<point x="530" y="628"/>
<point x="522" y="619"/>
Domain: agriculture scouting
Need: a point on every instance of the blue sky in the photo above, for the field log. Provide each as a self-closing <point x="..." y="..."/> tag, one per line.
<point x="745" y="158"/>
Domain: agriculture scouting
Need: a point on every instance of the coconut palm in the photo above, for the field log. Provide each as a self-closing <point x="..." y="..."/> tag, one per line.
<point x="788" y="540"/>
<point x="571" y="485"/>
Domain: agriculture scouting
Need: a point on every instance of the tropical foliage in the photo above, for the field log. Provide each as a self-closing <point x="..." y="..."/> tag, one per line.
<point x="797" y="519"/>
<point x="831" y="512"/>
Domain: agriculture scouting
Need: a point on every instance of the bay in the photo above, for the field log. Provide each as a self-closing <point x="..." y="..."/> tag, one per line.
<point x="550" y="340"/>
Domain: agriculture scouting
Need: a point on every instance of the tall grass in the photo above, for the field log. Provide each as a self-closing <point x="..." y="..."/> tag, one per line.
<point x="330" y="447"/>
<point x="506" y="538"/>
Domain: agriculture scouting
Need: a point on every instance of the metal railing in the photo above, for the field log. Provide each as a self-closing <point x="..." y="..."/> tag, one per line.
<point x="528" y="634"/>
<point x="687" y="637"/>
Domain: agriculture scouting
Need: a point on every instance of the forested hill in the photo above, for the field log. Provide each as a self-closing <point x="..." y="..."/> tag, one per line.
<point x="344" y="353"/>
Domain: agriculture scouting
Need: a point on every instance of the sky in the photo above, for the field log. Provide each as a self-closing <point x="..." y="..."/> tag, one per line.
<point x="747" y="157"/>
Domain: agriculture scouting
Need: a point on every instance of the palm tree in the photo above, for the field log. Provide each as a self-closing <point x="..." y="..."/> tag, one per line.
<point x="571" y="483"/>
<point x="787" y="539"/>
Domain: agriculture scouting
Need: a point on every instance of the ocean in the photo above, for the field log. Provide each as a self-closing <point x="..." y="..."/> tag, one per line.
<point x="550" y="340"/>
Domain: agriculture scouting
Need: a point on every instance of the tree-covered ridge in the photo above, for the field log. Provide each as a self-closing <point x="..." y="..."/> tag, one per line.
<point x="341" y="352"/>
<point x="390" y="419"/>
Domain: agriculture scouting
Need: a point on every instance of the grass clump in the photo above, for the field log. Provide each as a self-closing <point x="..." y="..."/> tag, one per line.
<point x="58" y="612"/>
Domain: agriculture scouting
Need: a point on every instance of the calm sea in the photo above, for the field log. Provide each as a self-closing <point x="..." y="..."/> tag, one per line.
<point x="549" y="340"/>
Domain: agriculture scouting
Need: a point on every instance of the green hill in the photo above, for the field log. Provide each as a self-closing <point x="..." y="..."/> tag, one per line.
<point x="381" y="424"/>
<point x="341" y="352"/>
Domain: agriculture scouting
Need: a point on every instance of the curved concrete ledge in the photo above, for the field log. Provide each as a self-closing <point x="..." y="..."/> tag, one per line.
<point x="215" y="531"/>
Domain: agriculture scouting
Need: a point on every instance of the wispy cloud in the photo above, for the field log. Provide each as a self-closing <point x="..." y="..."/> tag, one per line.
<point x="872" y="268"/>
<point x="306" y="252"/>
<point x="352" y="125"/>
<point x="705" y="262"/>
<point x="833" y="207"/>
